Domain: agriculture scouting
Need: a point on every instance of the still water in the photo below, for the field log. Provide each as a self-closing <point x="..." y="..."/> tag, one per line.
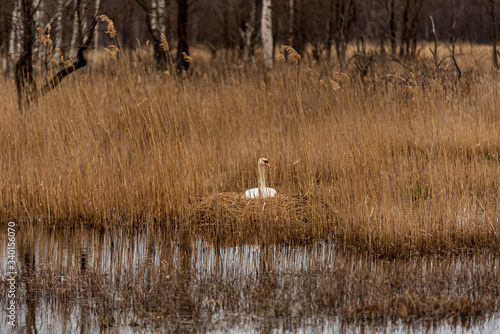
<point x="161" y="279"/>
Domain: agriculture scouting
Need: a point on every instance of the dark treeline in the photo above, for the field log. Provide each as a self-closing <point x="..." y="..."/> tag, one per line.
<point x="320" y="28"/>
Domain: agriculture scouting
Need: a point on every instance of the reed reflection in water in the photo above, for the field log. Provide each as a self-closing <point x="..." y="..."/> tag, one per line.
<point x="127" y="279"/>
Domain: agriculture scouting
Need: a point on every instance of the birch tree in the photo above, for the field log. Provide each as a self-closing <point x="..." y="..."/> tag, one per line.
<point x="76" y="30"/>
<point x="266" y="33"/>
<point x="156" y="15"/>
<point x="15" y="34"/>
<point x="248" y="33"/>
<point x="96" y="35"/>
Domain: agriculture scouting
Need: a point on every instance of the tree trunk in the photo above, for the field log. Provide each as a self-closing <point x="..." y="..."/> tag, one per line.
<point x="392" y="26"/>
<point x="59" y="31"/>
<point x="182" y="44"/>
<point x="248" y="33"/>
<point x="153" y="15"/>
<point x="404" y="45"/>
<point x="96" y="36"/>
<point x="267" y="33"/>
<point x="76" y="33"/>
<point x="162" y="16"/>
<point x="15" y="34"/>
<point x="38" y="48"/>
<point x="413" y="32"/>
<point x="24" y="66"/>
<point x="329" y="31"/>
<point x="291" y="22"/>
<point x="491" y="9"/>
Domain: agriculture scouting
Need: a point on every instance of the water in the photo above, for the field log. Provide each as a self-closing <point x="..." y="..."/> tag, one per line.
<point x="149" y="279"/>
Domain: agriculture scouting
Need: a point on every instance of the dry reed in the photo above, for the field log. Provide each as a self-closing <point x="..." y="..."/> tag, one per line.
<point x="389" y="166"/>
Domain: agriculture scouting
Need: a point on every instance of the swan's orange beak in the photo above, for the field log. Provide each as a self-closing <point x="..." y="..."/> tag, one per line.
<point x="267" y="164"/>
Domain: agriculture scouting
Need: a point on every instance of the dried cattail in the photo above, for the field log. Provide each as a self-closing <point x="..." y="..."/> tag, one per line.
<point x="41" y="37"/>
<point x="61" y="59"/>
<point x="45" y="39"/>
<point x="164" y="43"/>
<point x="187" y="59"/>
<point x="336" y="87"/>
<point x="113" y="53"/>
<point x="111" y="27"/>
<point x="115" y="48"/>
<point x="345" y="76"/>
<point x="309" y="71"/>
<point x="280" y="57"/>
<point x="290" y="54"/>
<point x="167" y="73"/>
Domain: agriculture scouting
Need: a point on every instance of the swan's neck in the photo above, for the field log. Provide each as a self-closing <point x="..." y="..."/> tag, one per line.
<point x="262" y="179"/>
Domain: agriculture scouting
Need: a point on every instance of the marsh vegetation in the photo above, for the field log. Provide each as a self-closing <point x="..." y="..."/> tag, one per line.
<point x="387" y="179"/>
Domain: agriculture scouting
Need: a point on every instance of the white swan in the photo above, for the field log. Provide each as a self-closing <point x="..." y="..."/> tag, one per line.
<point x="261" y="191"/>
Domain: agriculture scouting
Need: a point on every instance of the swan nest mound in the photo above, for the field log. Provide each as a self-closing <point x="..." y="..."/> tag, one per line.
<point x="234" y="208"/>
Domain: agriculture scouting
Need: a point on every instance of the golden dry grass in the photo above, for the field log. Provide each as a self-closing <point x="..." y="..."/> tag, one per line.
<point x="373" y="162"/>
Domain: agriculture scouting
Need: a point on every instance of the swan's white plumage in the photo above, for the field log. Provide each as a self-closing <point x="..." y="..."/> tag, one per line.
<point x="261" y="191"/>
<point x="266" y="193"/>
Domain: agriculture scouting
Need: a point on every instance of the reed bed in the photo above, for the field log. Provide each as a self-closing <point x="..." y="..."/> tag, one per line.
<point x="374" y="163"/>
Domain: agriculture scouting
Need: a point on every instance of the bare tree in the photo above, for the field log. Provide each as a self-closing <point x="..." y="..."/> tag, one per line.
<point x="409" y="31"/>
<point x="248" y="33"/>
<point x="96" y="35"/>
<point x="77" y="27"/>
<point x="392" y="25"/>
<point x="267" y="33"/>
<point x="59" y="31"/>
<point x="155" y="25"/>
<point x="25" y="84"/>
<point x="345" y="17"/>
<point x="24" y="65"/>
<point x="491" y="10"/>
<point x="182" y="42"/>
<point x="291" y="23"/>
<point x="15" y="33"/>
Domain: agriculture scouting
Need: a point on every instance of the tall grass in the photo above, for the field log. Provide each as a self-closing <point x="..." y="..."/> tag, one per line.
<point x="377" y="164"/>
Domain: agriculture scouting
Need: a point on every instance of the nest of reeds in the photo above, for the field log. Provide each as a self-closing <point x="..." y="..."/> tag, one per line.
<point x="233" y="215"/>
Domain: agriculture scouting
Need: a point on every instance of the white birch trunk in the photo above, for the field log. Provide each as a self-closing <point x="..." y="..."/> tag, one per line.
<point x="76" y="30"/>
<point x="154" y="14"/>
<point x="267" y="34"/>
<point x="59" y="30"/>
<point x="83" y="22"/>
<point x="162" y="16"/>
<point x="15" y="34"/>
<point x="248" y="34"/>
<point x="37" y="48"/>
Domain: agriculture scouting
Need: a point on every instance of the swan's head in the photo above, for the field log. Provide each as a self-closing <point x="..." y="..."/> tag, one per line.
<point x="264" y="162"/>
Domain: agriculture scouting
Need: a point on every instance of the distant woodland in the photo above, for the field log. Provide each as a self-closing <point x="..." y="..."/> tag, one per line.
<point x="319" y="29"/>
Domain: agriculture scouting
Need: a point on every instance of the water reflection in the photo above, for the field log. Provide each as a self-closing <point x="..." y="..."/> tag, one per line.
<point x="127" y="279"/>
